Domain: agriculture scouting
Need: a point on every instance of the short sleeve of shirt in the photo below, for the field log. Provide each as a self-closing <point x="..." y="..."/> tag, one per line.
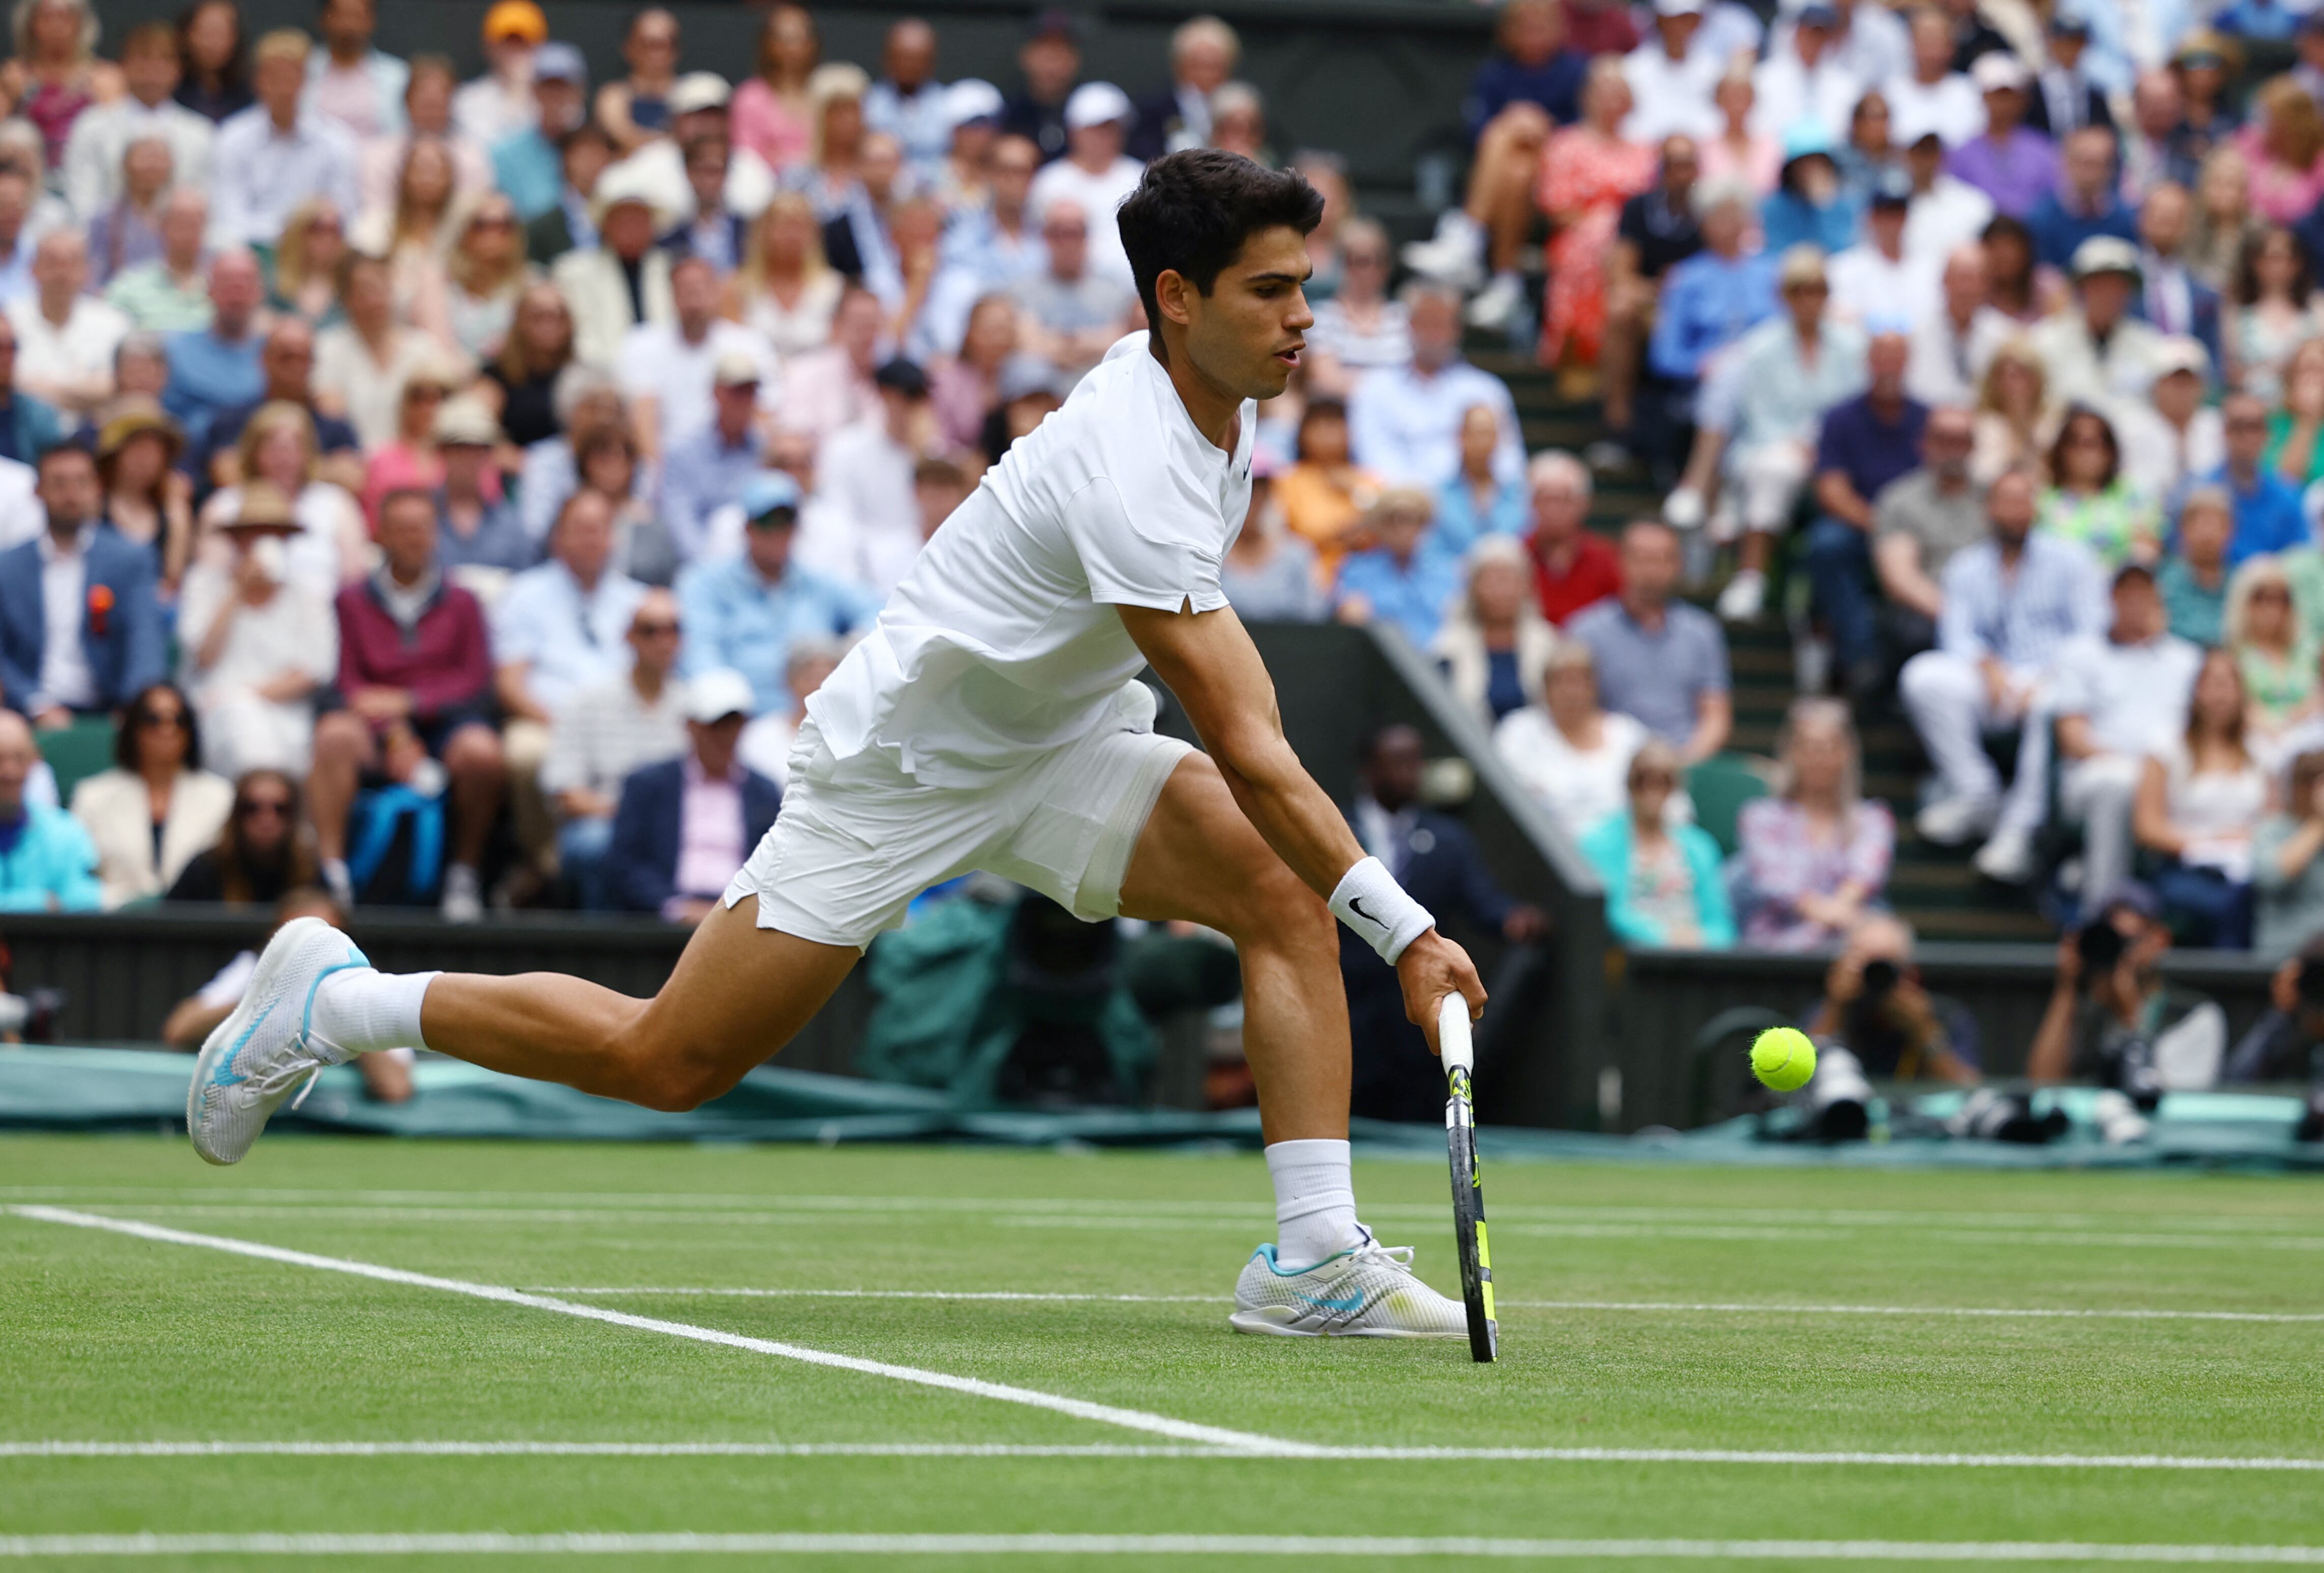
<point x="2069" y="689"/>
<point x="1142" y="561"/>
<point x="1712" y="661"/>
<point x="517" y="625"/>
<point x="1836" y="443"/>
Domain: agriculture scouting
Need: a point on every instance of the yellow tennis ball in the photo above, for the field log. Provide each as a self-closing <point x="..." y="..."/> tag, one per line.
<point x="1783" y="1058"/>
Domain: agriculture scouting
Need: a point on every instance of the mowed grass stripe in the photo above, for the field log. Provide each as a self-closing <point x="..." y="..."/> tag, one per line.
<point x="1081" y="1409"/>
<point x="1121" y="1545"/>
<point x="301" y="1448"/>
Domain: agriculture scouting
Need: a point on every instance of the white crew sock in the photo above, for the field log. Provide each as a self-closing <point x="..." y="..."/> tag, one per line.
<point x="360" y="1011"/>
<point x="1314" y="1203"/>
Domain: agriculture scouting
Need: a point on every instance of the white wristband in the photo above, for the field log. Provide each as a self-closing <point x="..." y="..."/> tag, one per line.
<point x="1371" y="902"/>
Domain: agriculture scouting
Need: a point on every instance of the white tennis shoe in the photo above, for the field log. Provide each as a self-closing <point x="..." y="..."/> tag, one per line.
<point x="267" y="1049"/>
<point x="1369" y="1293"/>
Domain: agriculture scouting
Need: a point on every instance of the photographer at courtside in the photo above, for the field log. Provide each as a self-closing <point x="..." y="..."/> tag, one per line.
<point x="1873" y="1002"/>
<point x="2113" y="1020"/>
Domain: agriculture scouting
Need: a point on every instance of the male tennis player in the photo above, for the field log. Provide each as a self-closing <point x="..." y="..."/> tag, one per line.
<point x="992" y="720"/>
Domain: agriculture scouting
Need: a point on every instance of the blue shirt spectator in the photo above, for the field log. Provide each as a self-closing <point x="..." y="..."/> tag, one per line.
<point x="1787" y="218"/>
<point x="1466" y="512"/>
<point x="708" y="468"/>
<point x="2022" y="617"/>
<point x="746" y="612"/>
<point x="2268" y="516"/>
<point x="530" y="171"/>
<point x="1404" y="422"/>
<point x="1869" y="448"/>
<point x="47" y="861"/>
<point x="217" y="367"/>
<point x="1407" y="580"/>
<point x="1660" y="661"/>
<point x="80" y="630"/>
<point x="1711" y="300"/>
<point x="29" y="427"/>
<point x="2085" y="202"/>
<point x="266" y="164"/>
<point x="559" y="627"/>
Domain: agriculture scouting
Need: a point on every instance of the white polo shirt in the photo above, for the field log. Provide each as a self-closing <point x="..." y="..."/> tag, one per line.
<point x="1002" y="643"/>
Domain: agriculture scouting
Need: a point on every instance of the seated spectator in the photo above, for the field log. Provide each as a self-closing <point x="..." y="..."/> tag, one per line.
<point x="2268" y="517"/>
<point x="278" y="446"/>
<point x="2173" y="436"/>
<point x="2293" y="451"/>
<point x="277" y="153"/>
<point x="2286" y="872"/>
<point x="80" y="630"/>
<point x="588" y="401"/>
<point x="2275" y="312"/>
<point x="1815" y="857"/>
<point x="556" y="631"/>
<point x="1573" y="568"/>
<point x="1477" y="502"/>
<point x="2017" y="418"/>
<point x="103" y="134"/>
<point x="1494" y="639"/>
<point x="868" y="475"/>
<point x="352" y="83"/>
<point x="169" y="292"/>
<point x="485" y="275"/>
<point x="146" y="500"/>
<point x="386" y="1076"/>
<point x="2284" y="146"/>
<point x="519" y="384"/>
<point x="570" y="223"/>
<point x="2011" y="602"/>
<point x="669" y="368"/>
<point x="1588" y="171"/>
<point x="1897" y="1032"/>
<point x="1362" y="327"/>
<point x="47" y="861"/>
<point x="416" y="675"/>
<point x="1671" y="80"/>
<point x="1716" y="296"/>
<point x="2193" y="579"/>
<point x="523" y="133"/>
<point x="65" y="336"/>
<point x="1659" y="658"/>
<point x="1094" y="175"/>
<point x="2085" y="202"/>
<point x="216" y="367"/>
<point x="287" y="363"/>
<point x="1404" y="422"/>
<point x="2097" y="352"/>
<point x="767" y="742"/>
<point x="1203" y="53"/>
<point x="362" y="364"/>
<point x="1572" y="756"/>
<point x="1810" y="206"/>
<point x="1863" y="446"/>
<point x="264" y="850"/>
<point x="260" y="643"/>
<point x="965" y="386"/>
<point x="306" y="267"/>
<point x="2171" y="296"/>
<point x="830" y="388"/>
<point x="1663" y="884"/>
<point x="1953" y="342"/>
<point x="1876" y="279"/>
<point x="1658" y="230"/>
<point x="744" y="612"/>
<point x="1269" y="574"/>
<point x="1431" y="855"/>
<point x="477" y="528"/>
<point x="2098" y="1012"/>
<point x="1404" y="579"/>
<point x="409" y="460"/>
<point x="1325" y="496"/>
<point x="2012" y="163"/>
<point x="683" y="828"/>
<point x="2199" y="799"/>
<point x="610" y="467"/>
<point x="595" y="278"/>
<point x="635" y="108"/>
<point x="1071" y="311"/>
<point x="2274" y="653"/>
<point x="1785" y="374"/>
<point x="1920" y="521"/>
<point x="609" y="730"/>
<point x="156" y="808"/>
<point x="2111" y="702"/>
<point x="2090" y="500"/>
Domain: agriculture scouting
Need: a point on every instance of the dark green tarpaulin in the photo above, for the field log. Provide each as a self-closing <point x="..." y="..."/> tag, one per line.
<point x="129" y="1089"/>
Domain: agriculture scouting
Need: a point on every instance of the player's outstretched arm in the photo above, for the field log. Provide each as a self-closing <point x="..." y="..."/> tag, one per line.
<point x="1209" y="662"/>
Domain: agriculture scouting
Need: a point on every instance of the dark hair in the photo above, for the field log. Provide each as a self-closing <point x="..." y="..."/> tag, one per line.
<point x="1193" y="211"/>
<point x="2056" y="458"/>
<point x="2005" y="227"/>
<point x="133" y="719"/>
<point x="294" y="864"/>
<point x="237" y="68"/>
<point x="1317" y="410"/>
<point x="75" y="443"/>
<point x="404" y="494"/>
<point x="2248" y="267"/>
<point x="587" y="131"/>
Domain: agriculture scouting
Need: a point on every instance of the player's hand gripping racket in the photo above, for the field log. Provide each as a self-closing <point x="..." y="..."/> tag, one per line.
<point x="1453" y="1039"/>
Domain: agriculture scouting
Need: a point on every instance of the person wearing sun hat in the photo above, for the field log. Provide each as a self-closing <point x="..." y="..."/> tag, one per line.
<point x="141" y="500"/>
<point x="624" y="278"/>
<point x="2098" y="351"/>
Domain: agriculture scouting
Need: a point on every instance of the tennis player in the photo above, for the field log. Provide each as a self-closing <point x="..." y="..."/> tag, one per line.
<point x="992" y="719"/>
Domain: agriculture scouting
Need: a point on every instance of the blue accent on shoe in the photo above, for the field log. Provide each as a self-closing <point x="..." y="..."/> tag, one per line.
<point x="355" y="958"/>
<point x="1267" y="1253"/>
<point x="222" y="1074"/>
<point x="1348" y="1306"/>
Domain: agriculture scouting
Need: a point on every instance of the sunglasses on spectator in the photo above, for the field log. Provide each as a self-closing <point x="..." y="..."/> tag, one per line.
<point x="252" y="808"/>
<point x="650" y="629"/>
<point x="170" y="718"/>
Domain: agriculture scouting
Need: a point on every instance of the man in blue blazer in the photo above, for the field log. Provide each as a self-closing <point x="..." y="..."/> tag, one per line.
<point x="1434" y="857"/>
<point x="683" y="827"/>
<point x="80" y="631"/>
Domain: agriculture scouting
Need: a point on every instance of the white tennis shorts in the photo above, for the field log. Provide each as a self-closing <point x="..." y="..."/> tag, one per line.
<point x="857" y="838"/>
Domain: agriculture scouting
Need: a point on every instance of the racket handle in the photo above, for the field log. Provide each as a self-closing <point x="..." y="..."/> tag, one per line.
<point x="1452" y="1034"/>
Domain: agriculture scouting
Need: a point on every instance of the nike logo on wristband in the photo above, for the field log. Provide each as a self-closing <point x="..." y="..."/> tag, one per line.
<point x="1356" y="906"/>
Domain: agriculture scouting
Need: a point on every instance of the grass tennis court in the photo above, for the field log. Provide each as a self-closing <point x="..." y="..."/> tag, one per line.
<point x="1639" y="1325"/>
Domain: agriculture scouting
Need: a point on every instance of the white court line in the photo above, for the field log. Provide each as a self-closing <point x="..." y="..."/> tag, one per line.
<point x="1734" y="1307"/>
<point x="343" y="1545"/>
<point x="1081" y="1409"/>
<point x="551" y="1449"/>
<point x="1123" y="1222"/>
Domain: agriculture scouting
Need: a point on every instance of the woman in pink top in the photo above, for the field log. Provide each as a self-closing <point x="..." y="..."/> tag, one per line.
<point x="769" y="112"/>
<point x="1737" y="152"/>
<point x="1587" y="173"/>
<point x="2285" y="147"/>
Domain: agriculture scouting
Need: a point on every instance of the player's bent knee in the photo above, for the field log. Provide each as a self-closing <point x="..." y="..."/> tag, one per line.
<point x="1278" y="910"/>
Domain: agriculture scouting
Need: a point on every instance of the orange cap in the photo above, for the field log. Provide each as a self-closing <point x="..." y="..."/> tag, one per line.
<point x="516" y="19"/>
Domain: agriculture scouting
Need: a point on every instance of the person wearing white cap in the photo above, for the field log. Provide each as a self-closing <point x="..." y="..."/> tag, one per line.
<point x="684" y="826"/>
<point x="2172" y="436"/>
<point x="961" y="179"/>
<point x="669" y="368"/>
<point x="1671" y="81"/>
<point x="1094" y="174"/>
<point x="706" y="470"/>
<point x="1932" y="95"/>
<point x="624" y="278"/>
<point x="908" y="102"/>
<point x="2099" y="352"/>
<point x="1802" y="80"/>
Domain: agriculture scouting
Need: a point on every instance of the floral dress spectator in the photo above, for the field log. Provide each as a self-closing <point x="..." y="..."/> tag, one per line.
<point x="2090" y="500"/>
<point x="156" y="808"/>
<point x="1814" y="858"/>
<point x="1587" y="172"/>
<point x="2198" y="802"/>
<point x="1663" y="884"/>
<point x="1571" y="753"/>
<point x="2274" y="654"/>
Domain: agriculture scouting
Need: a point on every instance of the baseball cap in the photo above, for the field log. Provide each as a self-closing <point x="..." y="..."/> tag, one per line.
<point x="713" y="696"/>
<point x="903" y="376"/>
<point x="1817" y="13"/>
<point x="1892" y="188"/>
<point x="466" y="423"/>
<point x="1806" y="139"/>
<point x="768" y="491"/>
<point x="2104" y="253"/>
<point x="2182" y="353"/>
<point x="970" y="99"/>
<point x="516" y="19"/>
<point x="1997" y="71"/>
<point x="696" y="91"/>
<point x="1678" y="8"/>
<point x="558" y="61"/>
<point x="1056" y="24"/>
<point x="734" y="369"/>
<point x="1094" y="104"/>
<point x="2065" y="23"/>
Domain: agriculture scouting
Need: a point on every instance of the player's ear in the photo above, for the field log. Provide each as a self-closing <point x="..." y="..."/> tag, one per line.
<point x="1171" y="291"/>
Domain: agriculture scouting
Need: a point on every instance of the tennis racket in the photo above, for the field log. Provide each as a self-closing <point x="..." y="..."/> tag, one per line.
<point x="1459" y="1053"/>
